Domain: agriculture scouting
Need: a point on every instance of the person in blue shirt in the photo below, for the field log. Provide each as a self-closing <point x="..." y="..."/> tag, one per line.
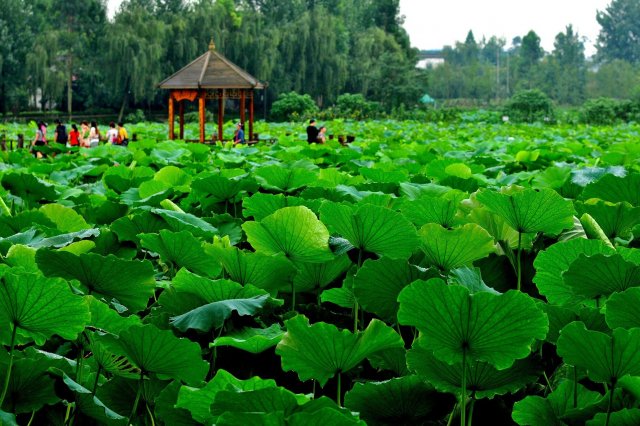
<point x="238" y="137"/>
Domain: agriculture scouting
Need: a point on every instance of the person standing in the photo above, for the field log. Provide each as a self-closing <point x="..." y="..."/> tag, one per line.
<point x="322" y="137"/>
<point x="74" y="136"/>
<point x="238" y="137"/>
<point x="312" y="132"/>
<point x="40" y="139"/>
<point x="112" y="134"/>
<point x="60" y="134"/>
<point x="123" y="136"/>
<point x="84" y="134"/>
<point x="94" y="135"/>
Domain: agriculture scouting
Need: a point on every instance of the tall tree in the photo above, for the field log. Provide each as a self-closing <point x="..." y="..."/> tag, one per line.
<point x="15" y="35"/>
<point x="529" y="55"/>
<point x="571" y="71"/>
<point x="619" y="36"/>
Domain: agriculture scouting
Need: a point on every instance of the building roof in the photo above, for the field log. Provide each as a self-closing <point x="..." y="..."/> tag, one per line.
<point x="211" y="71"/>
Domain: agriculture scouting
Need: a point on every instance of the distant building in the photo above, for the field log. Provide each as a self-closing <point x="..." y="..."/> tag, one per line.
<point x="430" y="59"/>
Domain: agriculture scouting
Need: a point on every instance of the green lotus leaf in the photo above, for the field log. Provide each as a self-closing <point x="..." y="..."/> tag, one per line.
<point x="263" y="271"/>
<point x="471" y="278"/>
<point x="122" y="178"/>
<point x="311" y="276"/>
<point x="78" y="248"/>
<point x="404" y="399"/>
<point x="372" y="228"/>
<point x="615" y="189"/>
<point x="89" y="404"/>
<point x="383" y="176"/>
<point x="341" y="296"/>
<point x="322" y="417"/>
<point x="606" y="358"/>
<point x="22" y="256"/>
<point x="231" y="418"/>
<point x="537" y="411"/>
<point x="130" y="282"/>
<point x="128" y="228"/>
<point x="220" y="188"/>
<point x="33" y="238"/>
<point x="440" y="210"/>
<point x="252" y="340"/>
<point x="261" y="205"/>
<point x="160" y="352"/>
<point x="531" y="210"/>
<point x="284" y="179"/>
<point x="624" y="417"/>
<point x="65" y="218"/>
<point x="213" y="315"/>
<point x="30" y="387"/>
<point x="119" y="394"/>
<point x="483" y="379"/>
<point x="106" y="319"/>
<point x="457" y="325"/>
<point x="23" y="221"/>
<point x="266" y="400"/>
<point x="180" y="221"/>
<point x="28" y="187"/>
<point x="378" y="282"/>
<point x="622" y="309"/>
<point x="40" y="307"/>
<point x="133" y="197"/>
<point x="108" y="359"/>
<point x="414" y="191"/>
<point x="198" y="400"/>
<point x="598" y="276"/>
<point x="451" y="248"/>
<point x="499" y="229"/>
<point x="616" y="220"/>
<point x="8" y="419"/>
<point x="392" y="360"/>
<point x="167" y="412"/>
<point x="294" y="231"/>
<point x="173" y="176"/>
<point x="551" y="263"/>
<point x="181" y="249"/>
<point x="321" y="350"/>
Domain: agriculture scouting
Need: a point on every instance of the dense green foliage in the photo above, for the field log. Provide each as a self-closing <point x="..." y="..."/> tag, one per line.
<point x="529" y="106"/>
<point x="424" y="274"/>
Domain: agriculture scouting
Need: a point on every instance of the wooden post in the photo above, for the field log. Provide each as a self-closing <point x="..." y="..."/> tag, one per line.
<point x="243" y="106"/>
<point x="201" y="115"/>
<point x="171" y="117"/>
<point x="181" y="113"/>
<point x="251" y="115"/>
<point x="220" y="113"/>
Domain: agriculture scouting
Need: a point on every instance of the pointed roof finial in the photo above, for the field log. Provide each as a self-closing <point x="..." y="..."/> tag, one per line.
<point x="212" y="45"/>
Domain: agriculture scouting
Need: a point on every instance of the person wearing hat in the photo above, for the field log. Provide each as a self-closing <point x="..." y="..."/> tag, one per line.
<point x="238" y="136"/>
<point x="312" y="132"/>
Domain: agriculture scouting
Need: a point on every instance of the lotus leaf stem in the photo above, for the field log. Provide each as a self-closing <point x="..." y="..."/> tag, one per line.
<point x="613" y="387"/>
<point x="463" y="398"/>
<point x="518" y="263"/>
<point x="575" y="387"/>
<point x="339" y="389"/>
<point x="7" y="378"/>
<point x="471" y="405"/>
<point x="153" y="423"/>
<point x="33" y="415"/>
<point x="455" y="406"/>
<point x="4" y="207"/>
<point x="137" y="400"/>
<point x="95" y="383"/>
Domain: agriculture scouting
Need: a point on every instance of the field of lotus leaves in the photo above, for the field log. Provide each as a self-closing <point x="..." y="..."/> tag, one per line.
<point x="469" y="273"/>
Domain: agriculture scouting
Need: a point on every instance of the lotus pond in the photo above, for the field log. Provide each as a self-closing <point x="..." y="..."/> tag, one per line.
<point x="464" y="274"/>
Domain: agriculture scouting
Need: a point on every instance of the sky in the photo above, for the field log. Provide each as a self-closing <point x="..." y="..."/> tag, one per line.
<point x="432" y="24"/>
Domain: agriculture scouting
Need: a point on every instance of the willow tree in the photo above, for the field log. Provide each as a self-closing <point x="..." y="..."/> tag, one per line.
<point x="46" y="70"/>
<point x="135" y="45"/>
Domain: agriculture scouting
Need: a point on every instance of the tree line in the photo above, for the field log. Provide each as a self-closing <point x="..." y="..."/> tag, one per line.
<point x="68" y="54"/>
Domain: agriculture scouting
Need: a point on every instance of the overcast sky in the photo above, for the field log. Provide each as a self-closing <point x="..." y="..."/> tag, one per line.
<point x="432" y="24"/>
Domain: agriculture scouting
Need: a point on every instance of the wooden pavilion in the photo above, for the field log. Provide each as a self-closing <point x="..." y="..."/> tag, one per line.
<point x="210" y="77"/>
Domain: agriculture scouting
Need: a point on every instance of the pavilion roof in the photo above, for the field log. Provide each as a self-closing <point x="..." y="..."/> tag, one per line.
<point x="211" y="71"/>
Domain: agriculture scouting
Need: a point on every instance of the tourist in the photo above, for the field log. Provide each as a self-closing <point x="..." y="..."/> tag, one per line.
<point x="74" y="136"/>
<point x="94" y="135"/>
<point x="123" y="136"/>
<point x="312" y="132"/>
<point x="60" y="134"/>
<point x="322" y="137"/>
<point x="238" y="136"/>
<point x="112" y="134"/>
<point x="84" y="134"/>
<point x="40" y="139"/>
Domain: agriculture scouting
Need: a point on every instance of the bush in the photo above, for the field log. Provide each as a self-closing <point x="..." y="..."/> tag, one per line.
<point x="135" y="117"/>
<point x="529" y="106"/>
<point x="355" y="106"/>
<point x="605" y="111"/>
<point x="293" y="107"/>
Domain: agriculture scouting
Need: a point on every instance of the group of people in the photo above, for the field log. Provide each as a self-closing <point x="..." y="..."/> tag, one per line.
<point x="314" y="134"/>
<point x="88" y="136"/>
